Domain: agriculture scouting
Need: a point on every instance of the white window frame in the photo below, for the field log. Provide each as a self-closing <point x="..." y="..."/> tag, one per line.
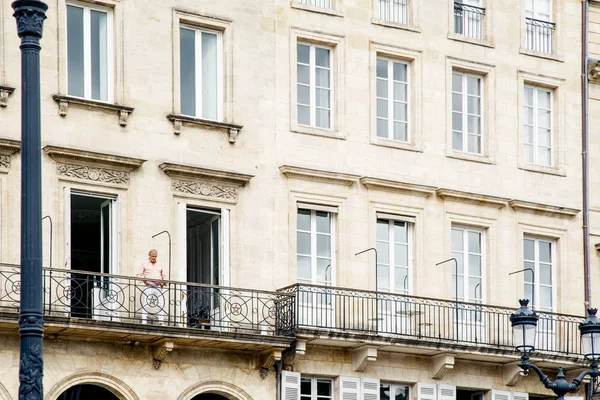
<point x="391" y="257"/>
<point x="313" y="244"/>
<point x="313" y="391"/>
<point x="87" y="54"/>
<point x="536" y="268"/>
<point x="198" y="30"/>
<point x="313" y="85"/>
<point x="465" y="254"/>
<point x="399" y="14"/>
<point x="326" y="4"/>
<point x="394" y="386"/>
<point x="465" y="114"/>
<point x="535" y="125"/>
<point x="390" y="98"/>
<point x="468" y="21"/>
<point x="532" y="44"/>
<point x="535" y="13"/>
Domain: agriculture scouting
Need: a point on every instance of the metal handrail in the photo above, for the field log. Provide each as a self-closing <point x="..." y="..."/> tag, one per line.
<point x="540" y="22"/>
<point x="468" y="7"/>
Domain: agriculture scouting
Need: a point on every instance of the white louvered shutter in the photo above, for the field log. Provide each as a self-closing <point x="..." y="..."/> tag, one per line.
<point x="349" y="388"/>
<point x="520" y="396"/>
<point x="426" y="391"/>
<point x="370" y="389"/>
<point x="500" y="395"/>
<point x="290" y="385"/>
<point x="446" y="392"/>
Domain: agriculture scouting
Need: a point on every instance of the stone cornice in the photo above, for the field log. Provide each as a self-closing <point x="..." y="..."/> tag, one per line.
<point x="384" y="184"/>
<point x="178" y="121"/>
<point x="89" y="158"/>
<point x="204" y="174"/>
<point x="545" y="209"/>
<point x="8" y="147"/>
<point x="319" y="175"/>
<point x="472" y="198"/>
<point x="64" y="102"/>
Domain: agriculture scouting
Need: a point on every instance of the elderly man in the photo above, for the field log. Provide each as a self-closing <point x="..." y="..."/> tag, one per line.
<point x="153" y="298"/>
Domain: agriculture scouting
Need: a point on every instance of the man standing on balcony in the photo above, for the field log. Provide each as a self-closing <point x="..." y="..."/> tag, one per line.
<point x="153" y="297"/>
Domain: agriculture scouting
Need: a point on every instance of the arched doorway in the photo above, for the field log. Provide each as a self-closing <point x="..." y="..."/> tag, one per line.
<point x="87" y="392"/>
<point x="209" y="396"/>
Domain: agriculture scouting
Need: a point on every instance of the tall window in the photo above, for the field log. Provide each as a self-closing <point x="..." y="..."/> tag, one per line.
<point x="467" y="248"/>
<point x="200" y="73"/>
<point x="394" y="11"/>
<point x="314" y="97"/>
<point x="314" y="247"/>
<point x="316" y="3"/>
<point x="540" y="28"/>
<point x="392" y="99"/>
<point x="389" y="391"/>
<point x="537" y="129"/>
<point x="393" y="256"/>
<point x="538" y="257"/>
<point x="468" y="18"/>
<point x="88" y="54"/>
<point x="316" y="389"/>
<point x="467" y="94"/>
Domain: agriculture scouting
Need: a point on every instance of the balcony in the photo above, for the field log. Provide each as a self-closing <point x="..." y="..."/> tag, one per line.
<point x="468" y="21"/>
<point x="539" y="35"/>
<point x="85" y="304"/>
<point x="424" y="325"/>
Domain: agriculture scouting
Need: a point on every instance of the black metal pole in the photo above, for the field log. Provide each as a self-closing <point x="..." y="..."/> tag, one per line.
<point x="30" y="15"/>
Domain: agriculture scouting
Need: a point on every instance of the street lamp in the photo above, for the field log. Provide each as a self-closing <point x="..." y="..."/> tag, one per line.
<point x="524" y="322"/>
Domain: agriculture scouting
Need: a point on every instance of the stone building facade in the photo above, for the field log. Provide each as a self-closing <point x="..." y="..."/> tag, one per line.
<point x="259" y="147"/>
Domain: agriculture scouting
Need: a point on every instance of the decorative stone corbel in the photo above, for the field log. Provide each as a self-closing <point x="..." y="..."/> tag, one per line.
<point x="266" y="362"/>
<point x="594" y="71"/>
<point x="160" y="349"/>
<point x="233" y="133"/>
<point x="512" y="373"/>
<point x="63" y="107"/>
<point x="123" y="117"/>
<point x="290" y="355"/>
<point x="5" y="91"/>
<point x="177" y="126"/>
<point x="438" y="365"/>
<point x="362" y="357"/>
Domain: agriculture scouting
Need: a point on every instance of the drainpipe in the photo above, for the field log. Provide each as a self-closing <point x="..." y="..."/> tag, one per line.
<point x="278" y="380"/>
<point x="584" y="151"/>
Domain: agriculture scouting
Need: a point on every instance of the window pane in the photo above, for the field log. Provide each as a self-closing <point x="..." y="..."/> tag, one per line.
<point x="400" y="91"/>
<point x="303" y="95"/>
<point x="528" y="249"/>
<point x="75" y="51"/>
<point x="544" y="119"/>
<point x="303" y="220"/>
<point x="400" y="111"/>
<point x="546" y="297"/>
<point x="304" y="74"/>
<point x="382" y="229"/>
<point x="382" y="108"/>
<point x="303" y="53"/>
<point x="384" y="392"/>
<point x="528" y="134"/>
<point x="529" y="96"/>
<point x="545" y="252"/>
<point x="400" y="232"/>
<point x="324" y="270"/>
<point x="401" y="276"/>
<point x="546" y="274"/>
<point x="457" y="121"/>
<point x="474" y="124"/>
<point x="324" y="388"/>
<point x="473" y="85"/>
<point x="529" y="153"/>
<point x="474" y="105"/>
<point x="474" y="265"/>
<point x="457" y="102"/>
<point x="322" y="57"/>
<point x="209" y="76"/>
<point x="528" y="293"/>
<point x="323" y="245"/>
<point x="543" y="99"/>
<point x="528" y="116"/>
<point x="303" y="245"/>
<point x="474" y="289"/>
<point x="382" y="128"/>
<point x="457" y="83"/>
<point x="400" y="72"/>
<point x="305" y="386"/>
<point x="401" y="255"/>
<point x="400" y="131"/>
<point x="99" y="56"/>
<point x="323" y="120"/>
<point x="383" y="252"/>
<point x="322" y="98"/>
<point x="459" y="262"/>
<point x="382" y="88"/>
<point x="401" y="393"/>
<point x="323" y="222"/>
<point x="187" y="71"/>
<point x="528" y="274"/>
<point x="543" y="156"/>
<point x="304" y="268"/>
<point x="457" y="140"/>
<point x="303" y="115"/>
<point x="474" y="144"/>
<point x="382" y="68"/>
<point x="322" y="77"/>
<point x="457" y="240"/>
<point x="544" y="138"/>
<point x="383" y="276"/>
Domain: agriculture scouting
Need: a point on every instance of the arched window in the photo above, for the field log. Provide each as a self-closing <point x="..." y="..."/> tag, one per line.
<point x="87" y="392"/>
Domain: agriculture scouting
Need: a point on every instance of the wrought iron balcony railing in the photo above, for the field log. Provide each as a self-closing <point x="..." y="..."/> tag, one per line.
<point x="71" y="293"/>
<point x="539" y="35"/>
<point x="410" y="317"/>
<point x="468" y="20"/>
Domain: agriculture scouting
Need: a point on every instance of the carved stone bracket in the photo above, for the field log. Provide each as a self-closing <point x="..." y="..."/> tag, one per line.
<point x="266" y="362"/>
<point x="440" y="364"/>
<point x="160" y="349"/>
<point x="5" y="91"/>
<point x="594" y="71"/>
<point x="8" y="147"/>
<point x="65" y="101"/>
<point x="290" y="355"/>
<point x="512" y="373"/>
<point x="362" y="357"/>
<point x="178" y="121"/>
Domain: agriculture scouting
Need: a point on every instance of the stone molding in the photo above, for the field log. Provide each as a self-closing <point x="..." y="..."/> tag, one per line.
<point x="440" y="364"/>
<point x="362" y="357"/>
<point x="223" y="388"/>
<point x="472" y="198"/>
<point x="403" y="187"/>
<point x="339" y="178"/>
<point x="160" y="349"/>
<point x="5" y="91"/>
<point x="512" y="373"/>
<point x="199" y="173"/>
<point x="65" y="101"/>
<point x="178" y="121"/>
<point x="543" y="209"/>
<point x="115" y="385"/>
<point x="291" y="354"/>
<point x="84" y="172"/>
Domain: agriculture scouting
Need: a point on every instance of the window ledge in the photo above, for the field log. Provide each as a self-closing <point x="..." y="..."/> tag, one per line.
<point x="377" y="141"/>
<point x="5" y="91"/>
<point x="543" y="209"/>
<point x="547" y="56"/>
<point x="178" y="121"/>
<point x="309" y="130"/>
<point x="319" y="10"/>
<point x="472" y="198"/>
<point x="543" y="170"/>
<point x="465" y="39"/>
<point x="469" y="157"/>
<point x="65" y="101"/>
<point x="395" y="25"/>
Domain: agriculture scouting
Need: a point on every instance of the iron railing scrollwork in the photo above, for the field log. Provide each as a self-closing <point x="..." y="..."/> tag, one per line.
<point x="468" y="20"/>
<point x="540" y="35"/>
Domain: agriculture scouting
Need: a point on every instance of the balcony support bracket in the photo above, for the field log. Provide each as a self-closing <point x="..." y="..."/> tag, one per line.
<point x="267" y="360"/>
<point x="362" y="357"/>
<point x="160" y="349"/>
<point x="290" y="355"/>
<point x="440" y="364"/>
<point x="512" y="373"/>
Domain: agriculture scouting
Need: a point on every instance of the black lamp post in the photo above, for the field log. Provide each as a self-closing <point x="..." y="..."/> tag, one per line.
<point x="524" y="322"/>
<point x="30" y="15"/>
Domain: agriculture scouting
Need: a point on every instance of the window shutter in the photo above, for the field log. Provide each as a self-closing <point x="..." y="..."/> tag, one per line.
<point x="290" y="385"/>
<point x="426" y="391"/>
<point x="370" y="389"/>
<point x="446" y="392"/>
<point x="349" y="389"/>
<point x="499" y="395"/>
<point x="520" y="396"/>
